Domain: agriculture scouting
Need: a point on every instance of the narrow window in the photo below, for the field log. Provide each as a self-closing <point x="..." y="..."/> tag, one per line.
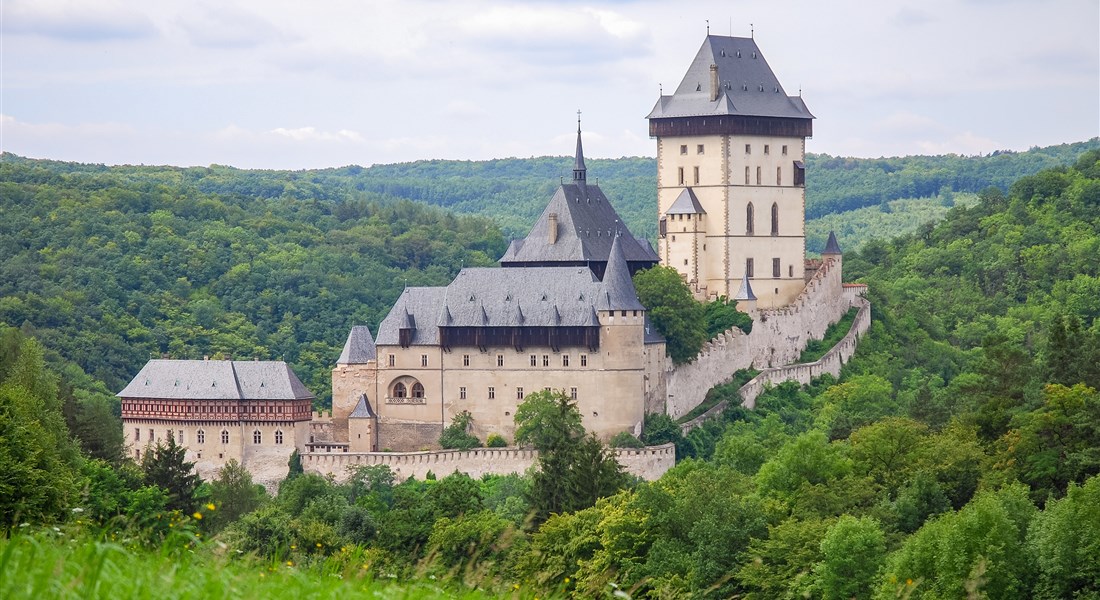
<point x="749" y="267"/>
<point x="462" y="393"/>
<point x="500" y="360"/>
<point x="565" y="360"/>
<point x="534" y="360"/>
<point x="492" y="392"/>
<point x="573" y="393"/>
<point x="519" y="393"/>
<point x="699" y="149"/>
<point x="391" y="361"/>
<point x="776" y="271"/>
<point x="685" y="262"/>
<point x="256" y="437"/>
<point x="750" y="219"/>
<point x="423" y="360"/>
<point x="465" y="360"/>
<point x="181" y="436"/>
<point x="137" y="454"/>
<point x="790" y="270"/>
<point x="779" y="176"/>
<point x="584" y="360"/>
<point x="225" y="437"/>
<point x="746" y="174"/>
<point x="399" y="390"/>
<point x="696" y="173"/>
<point x="151" y="435"/>
<point x="200" y="437"/>
<point x="418" y="390"/>
<point x="137" y="434"/>
<point x="784" y="149"/>
<point x="279" y="436"/>
<point x="775" y="218"/>
<point x="758" y="179"/>
<point x="683" y="149"/>
<point x="766" y="148"/>
<point x="748" y="149"/>
<point x="680" y="174"/>
<point x="546" y="360"/>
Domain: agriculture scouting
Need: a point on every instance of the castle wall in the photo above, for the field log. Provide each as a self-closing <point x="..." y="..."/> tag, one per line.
<point x="648" y="463"/>
<point x="803" y="373"/>
<point x="778" y="337"/>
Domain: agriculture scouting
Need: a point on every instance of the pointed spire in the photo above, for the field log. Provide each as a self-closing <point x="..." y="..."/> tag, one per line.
<point x="617" y="285"/>
<point x="745" y="292"/>
<point x="359" y="348"/>
<point x="580" y="173"/>
<point x="831" y="246"/>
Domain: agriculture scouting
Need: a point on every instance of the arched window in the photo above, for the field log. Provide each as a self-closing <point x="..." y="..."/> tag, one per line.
<point x="418" y="390"/>
<point x="225" y="437"/>
<point x="399" y="390"/>
<point x="257" y="437"/>
<point x="200" y="437"/>
<point x="278" y="436"/>
<point x="775" y="218"/>
<point x="750" y="218"/>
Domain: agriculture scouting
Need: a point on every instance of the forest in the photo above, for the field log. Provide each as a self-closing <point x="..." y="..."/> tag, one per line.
<point x="955" y="456"/>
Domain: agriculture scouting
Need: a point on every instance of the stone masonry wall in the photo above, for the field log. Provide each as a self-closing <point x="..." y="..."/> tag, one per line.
<point x="648" y="463"/>
<point x="803" y="373"/>
<point x="778" y="337"/>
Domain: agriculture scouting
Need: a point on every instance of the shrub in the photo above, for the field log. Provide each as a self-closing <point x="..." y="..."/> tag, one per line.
<point x="495" y="440"/>
<point x="624" y="439"/>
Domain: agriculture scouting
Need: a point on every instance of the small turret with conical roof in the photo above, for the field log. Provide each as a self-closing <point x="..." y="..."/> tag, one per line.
<point x="580" y="173"/>
<point x="746" y="299"/>
<point x="618" y="287"/>
<point x="832" y="248"/>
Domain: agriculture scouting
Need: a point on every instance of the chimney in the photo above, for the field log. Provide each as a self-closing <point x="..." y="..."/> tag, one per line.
<point x="713" y="83"/>
<point x="552" y="229"/>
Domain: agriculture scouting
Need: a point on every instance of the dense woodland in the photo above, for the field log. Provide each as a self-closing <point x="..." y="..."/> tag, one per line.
<point x="955" y="456"/>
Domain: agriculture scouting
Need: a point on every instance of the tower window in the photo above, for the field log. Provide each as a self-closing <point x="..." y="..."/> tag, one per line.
<point x="683" y="149"/>
<point x="685" y="262"/>
<point x="776" y="271"/>
<point x="749" y="219"/>
<point x="462" y="393"/>
<point x="699" y="149"/>
<point x="775" y="218"/>
<point x="746" y="175"/>
<point x="680" y="175"/>
<point x="137" y="434"/>
<point x="766" y="149"/>
<point x="423" y="360"/>
<point x="779" y="176"/>
<point x="749" y="267"/>
<point x="696" y="173"/>
<point x="790" y="270"/>
<point x="784" y="150"/>
<point x="391" y="360"/>
<point x="748" y="149"/>
<point x="758" y="178"/>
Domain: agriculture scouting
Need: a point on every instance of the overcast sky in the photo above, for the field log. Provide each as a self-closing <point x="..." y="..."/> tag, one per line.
<point x="293" y="84"/>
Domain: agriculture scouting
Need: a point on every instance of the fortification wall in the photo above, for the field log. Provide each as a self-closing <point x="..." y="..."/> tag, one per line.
<point x="778" y="337"/>
<point x="803" y="373"/>
<point x="648" y="463"/>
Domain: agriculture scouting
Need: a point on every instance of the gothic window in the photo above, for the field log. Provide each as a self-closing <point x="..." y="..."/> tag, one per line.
<point x="399" y="390"/>
<point x="278" y="436"/>
<point x="417" y="390"/>
<point x="749" y="219"/>
<point x="200" y="437"/>
<point x="775" y="218"/>
<point x="749" y="267"/>
<point x="257" y="437"/>
<point x="225" y="436"/>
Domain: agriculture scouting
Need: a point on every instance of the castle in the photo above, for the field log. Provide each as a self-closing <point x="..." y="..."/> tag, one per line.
<point x="561" y="312"/>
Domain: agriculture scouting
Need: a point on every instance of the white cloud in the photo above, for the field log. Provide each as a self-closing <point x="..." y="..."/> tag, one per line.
<point x="312" y="134"/>
<point x="74" y="21"/>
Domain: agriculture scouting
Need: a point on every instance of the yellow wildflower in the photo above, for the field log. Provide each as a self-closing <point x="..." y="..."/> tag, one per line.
<point x="198" y="516"/>
<point x="210" y="506"/>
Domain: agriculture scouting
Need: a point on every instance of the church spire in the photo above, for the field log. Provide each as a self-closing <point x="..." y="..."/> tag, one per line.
<point x="579" y="171"/>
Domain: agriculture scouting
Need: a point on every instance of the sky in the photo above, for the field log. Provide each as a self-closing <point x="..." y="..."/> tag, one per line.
<point x="286" y="84"/>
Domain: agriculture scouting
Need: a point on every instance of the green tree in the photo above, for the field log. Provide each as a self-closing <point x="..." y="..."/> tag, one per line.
<point x="673" y="311"/>
<point x="166" y="467"/>
<point x="852" y="554"/>
<point x="1065" y="539"/>
<point x="457" y="436"/>
<point x="234" y="495"/>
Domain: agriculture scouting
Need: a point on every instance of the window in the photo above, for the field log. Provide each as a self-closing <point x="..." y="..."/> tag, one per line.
<point x="534" y="360"/>
<point x="699" y="149"/>
<point x="776" y="271"/>
<point x="775" y="218"/>
<point x="462" y="393"/>
<point x="465" y="360"/>
<point x="565" y="360"/>
<point x="180" y="438"/>
<point x="137" y="434"/>
<point x="799" y="174"/>
<point x="492" y="392"/>
<point x="200" y="437"/>
<point x="546" y="360"/>
<point x="766" y="148"/>
<point x="137" y="454"/>
<point x="685" y="262"/>
<point x="399" y="390"/>
<point x="257" y="437"/>
<point x="749" y="267"/>
<point x="150" y="434"/>
<point x="423" y="360"/>
<point x="500" y="360"/>
<point x="790" y="270"/>
<point x="696" y="174"/>
<point x="225" y="436"/>
<point x="519" y="393"/>
<point x="391" y="360"/>
<point x="417" y="390"/>
<point x="748" y="149"/>
<point x="278" y="436"/>
<point x="779" y="176"/>
<point x="680" y="174"/>
<point x="758" y="179"/>
<point x="573" y="393"/>
<point x="683" y="149"/>
<point x="750" y="218"/>
<point x="784" y="149"/>
<point x="746" y="174"/>
<point x="584" y="360"/>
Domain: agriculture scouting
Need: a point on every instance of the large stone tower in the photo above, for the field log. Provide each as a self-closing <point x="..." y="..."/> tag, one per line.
<point x="730" y="175"/>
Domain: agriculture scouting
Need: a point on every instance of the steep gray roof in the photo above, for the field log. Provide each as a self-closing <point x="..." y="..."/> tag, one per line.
<point x="652" y="336"/>
<point x="831" y="245"/>
<point x="745" y="291"/>
<point x="618" y="288"/>
<point x="362" y="409"/>
<point x="747" y="85"/>
<point x="359" y="348"/>
<point x="686" y="204"/>
<point x="587" y="225"/>
<point x="216" y="380"/>
<point x="422" y="305"/>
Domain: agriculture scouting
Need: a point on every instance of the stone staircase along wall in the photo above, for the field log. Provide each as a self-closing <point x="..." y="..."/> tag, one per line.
<point x="778" y="337"/>
<point x="803" y="373"/>
<point x="648" y="463"/>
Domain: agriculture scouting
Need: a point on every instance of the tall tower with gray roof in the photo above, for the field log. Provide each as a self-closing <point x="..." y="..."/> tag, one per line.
<point x="730" y="175"/>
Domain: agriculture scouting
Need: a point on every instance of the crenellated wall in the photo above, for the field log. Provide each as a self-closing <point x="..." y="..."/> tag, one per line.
<point x="803" y="373"/>
<point x="778" y="337"/>
<point x="648" y="463"/>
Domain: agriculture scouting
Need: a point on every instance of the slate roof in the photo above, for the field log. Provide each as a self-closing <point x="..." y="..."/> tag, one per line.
<point x="618" y="288"/>
<point x="686" y="204"/>
<point x="831" y="245"/>
<point x="745" y="291"/>
<point x="362" y="409"/>
<point x="747" y="85"/>
<point x="163" y="379"/>
<point x="359" y="348"/>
